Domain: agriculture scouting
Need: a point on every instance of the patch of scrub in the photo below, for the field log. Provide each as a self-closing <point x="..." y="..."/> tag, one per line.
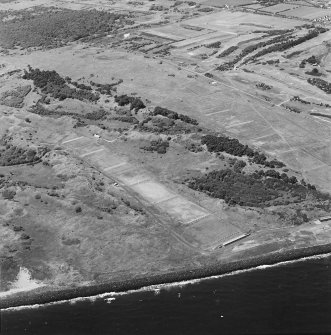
<point x="23" y="282"/>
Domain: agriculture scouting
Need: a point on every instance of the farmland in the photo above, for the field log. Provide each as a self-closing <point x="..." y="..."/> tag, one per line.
<point x="142" y="137"/>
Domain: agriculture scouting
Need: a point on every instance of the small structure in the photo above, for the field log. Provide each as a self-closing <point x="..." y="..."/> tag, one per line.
<point x="237" y="238"/>
<point x="96" y="135"/>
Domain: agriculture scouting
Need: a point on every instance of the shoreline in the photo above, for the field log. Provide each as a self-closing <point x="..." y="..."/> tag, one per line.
<point x="38" y="297"/>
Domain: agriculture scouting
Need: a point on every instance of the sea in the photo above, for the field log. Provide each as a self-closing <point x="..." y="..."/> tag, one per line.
<point x="290" y="297"/>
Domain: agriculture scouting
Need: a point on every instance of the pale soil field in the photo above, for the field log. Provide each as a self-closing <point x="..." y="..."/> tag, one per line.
<point x="307" y="12"/>
<point x="278" y="8"/>
<point x="222" y="3"/>
<point x="241" y="22"/>
<point x="177" y="32"/>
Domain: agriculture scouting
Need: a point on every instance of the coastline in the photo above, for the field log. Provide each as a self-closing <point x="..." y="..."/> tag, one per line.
<point x="48" y="296"/>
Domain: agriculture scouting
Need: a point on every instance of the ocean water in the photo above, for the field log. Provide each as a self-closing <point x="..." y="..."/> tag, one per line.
<point x="292" y="297"/>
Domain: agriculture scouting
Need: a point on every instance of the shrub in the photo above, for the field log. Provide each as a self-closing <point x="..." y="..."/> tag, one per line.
<point x="78" y="209"/>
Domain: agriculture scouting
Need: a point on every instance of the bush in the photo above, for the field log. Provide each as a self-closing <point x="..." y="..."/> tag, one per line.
<point x="159" y="146"/>
<point x="78" y="209"/>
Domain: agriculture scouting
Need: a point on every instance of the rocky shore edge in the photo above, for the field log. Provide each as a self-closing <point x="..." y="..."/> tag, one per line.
<point x="48" y="296"/>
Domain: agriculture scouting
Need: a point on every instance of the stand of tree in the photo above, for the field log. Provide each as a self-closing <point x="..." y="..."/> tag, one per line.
<point x="234" y="147"/>
<point x="135" y="103"/>
<point x="93" y="116"/>
<point x="50" y="82"/>
<point x="256" y="190"/>
<point x="13" y="155"/>
<point x="321" y="84"/>
<point x="159" y="146"/>
<point x="173" y="115"/>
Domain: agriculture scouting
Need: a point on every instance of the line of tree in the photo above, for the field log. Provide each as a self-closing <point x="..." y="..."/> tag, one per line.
<point x="227" y="51"/>
<point x="279" y="43"/>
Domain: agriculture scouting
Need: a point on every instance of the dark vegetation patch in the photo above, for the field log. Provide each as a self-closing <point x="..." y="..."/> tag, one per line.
<point x="234" y="147"/>
<point x="214" y="45"/>
<point x="50" y="82"/>
<point x="135" y="103"/>
<point x="158" y="146"/>
<point x="193" y="147"/>
<point x="297" y="98"/>
<point x="173" y="115"/>
<point x="292" y="109"/>
<point x="263" y="86"/>
<point x="162" y="125"/>
<point x="311" y="60"/>
<point x="259" y="189"/>
<point x="8" y="194"/>
<point x="14" y="155"/>
<point x="15" y="98"/>
<point x="126" y="118"/>
<point x="321" y="84"/>
<point x="273" y="32"/>
<point x="105" y="88"/>
<point x="53" y="27"/>
<point x="41" y="110"/>
<point x="314" y="72"/>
